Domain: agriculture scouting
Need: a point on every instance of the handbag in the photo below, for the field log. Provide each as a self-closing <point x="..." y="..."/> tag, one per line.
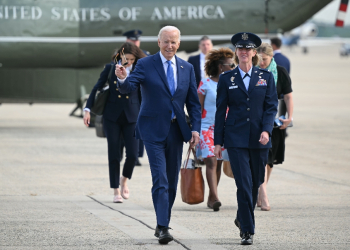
<point x="281" y="112"/>
<point x="99" y="126"/>
<point x="227" y="169"/>
<point x="102" y="96"/>
<point x="192" y="182"/>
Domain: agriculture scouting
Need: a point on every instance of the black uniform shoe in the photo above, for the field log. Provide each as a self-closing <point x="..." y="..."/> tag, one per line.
<point x="137" y="163"/>
<point x="164" y="236"/>
<point x="239" y="227"/>
<point x="156" y="233"/>
<point x="247" y="239"/>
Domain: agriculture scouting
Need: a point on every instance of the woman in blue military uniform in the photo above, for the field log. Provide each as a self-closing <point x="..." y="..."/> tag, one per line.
<point x="250" y="95"/>
<point x="119" y="118"/>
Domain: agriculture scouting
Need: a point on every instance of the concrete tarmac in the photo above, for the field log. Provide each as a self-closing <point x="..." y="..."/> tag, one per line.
<point x="54" y="186"/>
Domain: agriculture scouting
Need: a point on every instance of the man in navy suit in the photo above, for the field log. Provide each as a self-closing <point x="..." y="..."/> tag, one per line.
<point x="198" y="61"/>
<point x="251" y="96"/>
<point x="167" y="84"/>
<point x="280" y="59"/>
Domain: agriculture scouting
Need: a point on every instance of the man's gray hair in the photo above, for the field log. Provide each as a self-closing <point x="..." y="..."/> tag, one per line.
<point x="169" y="28"/>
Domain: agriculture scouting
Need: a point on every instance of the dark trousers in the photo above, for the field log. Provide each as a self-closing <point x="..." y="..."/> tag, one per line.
<point x="165" y="161"/>
<point x="113" y="132"/>
<point x="141" y="148"/>
<point x="248" y="167"/>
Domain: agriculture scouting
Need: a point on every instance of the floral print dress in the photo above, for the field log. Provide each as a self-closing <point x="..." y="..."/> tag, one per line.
<point x="205" y="148"/>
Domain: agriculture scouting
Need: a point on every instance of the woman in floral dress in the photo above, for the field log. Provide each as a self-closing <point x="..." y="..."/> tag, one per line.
<point x="218" y="61"/>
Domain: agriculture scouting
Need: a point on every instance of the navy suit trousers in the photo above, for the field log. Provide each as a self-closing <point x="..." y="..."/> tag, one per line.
<point x="165" y="162"/>
<point x="248" y="168"/>
<point x="113" y="131"/>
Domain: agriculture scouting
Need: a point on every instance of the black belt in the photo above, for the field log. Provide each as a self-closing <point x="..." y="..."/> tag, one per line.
<point x="173" y="120"/>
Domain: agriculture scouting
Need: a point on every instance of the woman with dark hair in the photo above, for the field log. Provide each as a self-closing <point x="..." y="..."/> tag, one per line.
<point x="245" y="131"/>
<point x="119" y="118"/>
<point x="218" y="61"/>
<point x="284" y="90"/>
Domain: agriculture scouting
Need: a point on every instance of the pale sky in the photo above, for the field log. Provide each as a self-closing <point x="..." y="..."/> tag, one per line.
<point x="329" y="13"/>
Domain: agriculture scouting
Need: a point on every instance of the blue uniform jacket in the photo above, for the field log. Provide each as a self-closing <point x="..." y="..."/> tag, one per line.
<point x="117" y="102"/>
<point x="154" y="119"/>
<point x="250" y="112"/>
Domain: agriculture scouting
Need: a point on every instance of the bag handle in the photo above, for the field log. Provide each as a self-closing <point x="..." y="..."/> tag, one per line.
<point x="188" y="155"/>
<point x="110" y="72"/>
<point x="109" y="77"/>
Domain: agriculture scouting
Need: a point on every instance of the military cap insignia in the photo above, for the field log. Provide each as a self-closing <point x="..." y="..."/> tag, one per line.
<point x="245" y="36"/>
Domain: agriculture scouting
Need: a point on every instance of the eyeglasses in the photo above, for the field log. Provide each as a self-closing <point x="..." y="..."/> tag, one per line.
<point x="232" y="65"/>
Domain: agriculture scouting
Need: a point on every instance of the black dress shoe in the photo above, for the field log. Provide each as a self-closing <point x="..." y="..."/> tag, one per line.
<point x="137" y="163"/>
<point x="239" y="227"/>
<point x="156" y="233"/>
<point x="247" y="239"/>
<point x="164" y="236"/>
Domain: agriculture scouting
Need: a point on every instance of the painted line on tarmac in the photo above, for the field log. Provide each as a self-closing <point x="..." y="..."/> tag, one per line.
<point x="134" y="215"/>
<point x="145" y="224"/>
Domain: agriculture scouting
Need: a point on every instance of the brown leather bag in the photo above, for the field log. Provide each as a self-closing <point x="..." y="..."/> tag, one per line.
<point x="228" y="169"/>
<point x="192" y="182"/>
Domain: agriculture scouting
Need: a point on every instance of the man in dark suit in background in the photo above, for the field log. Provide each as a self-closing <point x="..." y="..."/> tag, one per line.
<point x="280" y="59"/>
<point x="167" y="84"/>
<point x="198" y="61"/>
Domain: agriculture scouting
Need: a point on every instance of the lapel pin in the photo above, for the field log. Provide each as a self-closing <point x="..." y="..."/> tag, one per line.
<point x="232" y="78"/>
<point x="255" y="71"/>
<point x="236" y="73"/>
<point x="181" y="66"/>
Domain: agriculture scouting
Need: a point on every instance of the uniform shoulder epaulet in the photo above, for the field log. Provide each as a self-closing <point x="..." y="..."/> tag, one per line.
<point x="266" y="70"/>
<point x="223" y="73"/>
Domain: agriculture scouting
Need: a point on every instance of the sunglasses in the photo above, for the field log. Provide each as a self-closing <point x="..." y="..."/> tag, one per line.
<point x="232" y="65"/>
<point x="115" y="58"/>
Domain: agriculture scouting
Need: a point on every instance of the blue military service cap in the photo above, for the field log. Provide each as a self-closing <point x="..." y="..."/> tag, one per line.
<point x="133" y="34"/>
<point x="245" y="40"/>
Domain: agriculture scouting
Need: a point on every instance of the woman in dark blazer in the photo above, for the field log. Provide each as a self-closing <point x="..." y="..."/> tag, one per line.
<point x="250" y="95"/>
<point x="119" y="118"/>
<point x="284" y="91"/>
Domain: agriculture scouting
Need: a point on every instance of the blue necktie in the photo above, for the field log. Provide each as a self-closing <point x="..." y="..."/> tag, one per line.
<point x="171" y="82"/>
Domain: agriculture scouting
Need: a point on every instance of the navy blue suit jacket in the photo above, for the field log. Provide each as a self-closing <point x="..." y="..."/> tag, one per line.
<point x="154" y="120"/>
<point x="283" y="61"/>
<point x="250" y="112"/>
<point x="195" y="61"/>
<point x="117" y="102"/>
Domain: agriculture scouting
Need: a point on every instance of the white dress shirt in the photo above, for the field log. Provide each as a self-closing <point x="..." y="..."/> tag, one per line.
<point x="277" y="51"/>
<point x="165" y="66"/>
<point x="247" y="79"/>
